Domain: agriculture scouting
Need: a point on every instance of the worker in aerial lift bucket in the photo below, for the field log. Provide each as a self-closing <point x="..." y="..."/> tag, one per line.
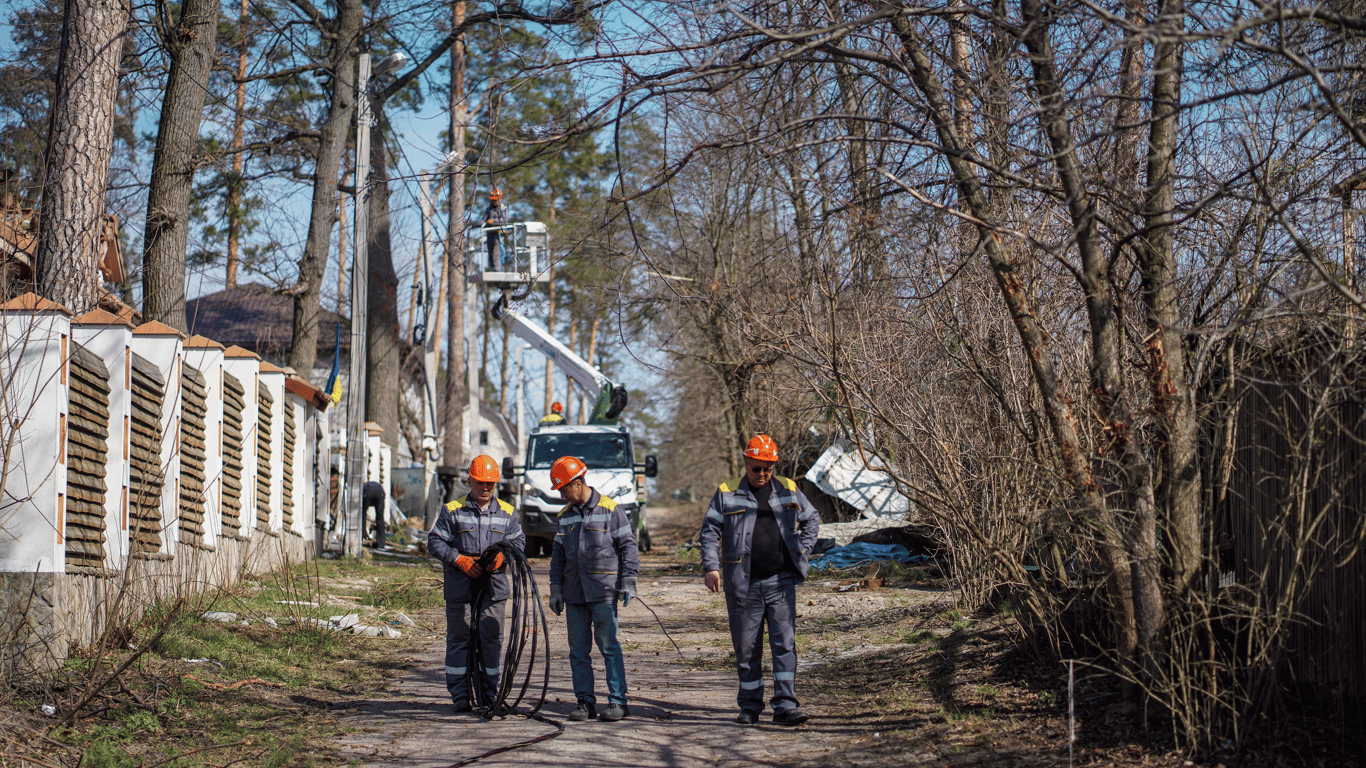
<point x="464" y="540"/>
<point x="593" y="565"/>
<point x="495" y="216"/>
<point x="756" y="537"/>
<point x="556" y="415"/>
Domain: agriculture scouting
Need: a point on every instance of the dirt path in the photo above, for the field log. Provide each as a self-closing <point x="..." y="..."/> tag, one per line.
<point x="682" y="707"/>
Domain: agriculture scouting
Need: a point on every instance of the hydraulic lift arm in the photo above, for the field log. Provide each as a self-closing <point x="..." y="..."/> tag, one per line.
<point x="610" y="397"/>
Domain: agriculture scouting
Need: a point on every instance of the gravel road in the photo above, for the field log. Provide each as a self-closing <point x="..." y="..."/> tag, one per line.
<point x="682" y="706"/>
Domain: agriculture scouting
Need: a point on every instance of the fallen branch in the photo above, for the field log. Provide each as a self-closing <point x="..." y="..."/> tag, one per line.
<point x="232" y="686"/>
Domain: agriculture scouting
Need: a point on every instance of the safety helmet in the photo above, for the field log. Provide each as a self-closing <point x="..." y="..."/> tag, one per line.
<point x="557" y="407"/>
<point x="484" y="469"/>
<point x="496" y="194"/>
<point x="564" y="470"/>
<point x="762" y="447"/>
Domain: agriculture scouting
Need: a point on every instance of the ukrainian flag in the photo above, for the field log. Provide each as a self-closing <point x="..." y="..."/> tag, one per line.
<point x="333" y="384"/>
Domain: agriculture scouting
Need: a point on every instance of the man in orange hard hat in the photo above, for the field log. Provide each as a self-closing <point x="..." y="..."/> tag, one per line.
<point x="766" y="528"/>
<point x="475" y="587"/>
<point x="556" y="415"/>
<point x="593" y="564"/>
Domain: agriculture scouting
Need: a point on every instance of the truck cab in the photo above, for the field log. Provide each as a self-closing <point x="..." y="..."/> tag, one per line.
<point x="612" y="471"/>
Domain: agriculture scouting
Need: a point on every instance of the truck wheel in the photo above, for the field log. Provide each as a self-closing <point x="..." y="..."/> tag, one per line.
<point x="532" y="547"/>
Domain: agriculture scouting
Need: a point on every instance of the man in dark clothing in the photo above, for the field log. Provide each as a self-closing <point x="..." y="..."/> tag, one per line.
<point x="372" y="497"/>
<point x="495" y="216"/>
<point x="756" y="537"/>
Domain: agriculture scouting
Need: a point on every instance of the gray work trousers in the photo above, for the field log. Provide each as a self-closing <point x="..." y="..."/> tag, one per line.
<point x="772" y="601"/>
<point x="458" y="618"/>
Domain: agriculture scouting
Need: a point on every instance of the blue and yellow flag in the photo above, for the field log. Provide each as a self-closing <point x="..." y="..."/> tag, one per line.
<point x="333" y="383"/>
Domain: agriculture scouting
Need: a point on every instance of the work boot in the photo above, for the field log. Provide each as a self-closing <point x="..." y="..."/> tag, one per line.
<point x="615" y="712"/>
<point x="792" y="716"/>
<point x="584" y="712"/>
<point x="747" y="717"/>
<point x="461" y="706"/>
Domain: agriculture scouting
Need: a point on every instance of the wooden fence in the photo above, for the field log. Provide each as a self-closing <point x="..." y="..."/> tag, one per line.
<point x="134" y="452"/>
<point x="1294" y="521"/>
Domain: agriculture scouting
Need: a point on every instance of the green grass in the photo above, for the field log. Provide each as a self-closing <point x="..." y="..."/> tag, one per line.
<point x="262" y="698"/>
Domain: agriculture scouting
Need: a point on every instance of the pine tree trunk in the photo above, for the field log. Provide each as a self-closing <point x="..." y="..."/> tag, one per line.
<point x="80" y="144"/>
<point x="333" y="131"/>
<point x="455" y="395"/>
<point x="191" y="45"/>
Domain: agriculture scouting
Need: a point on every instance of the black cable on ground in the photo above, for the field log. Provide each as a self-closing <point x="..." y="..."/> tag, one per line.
<point x="526" y="623"/>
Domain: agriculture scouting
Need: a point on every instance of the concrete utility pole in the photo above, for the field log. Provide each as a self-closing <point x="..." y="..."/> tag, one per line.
<point x="360" y="289"/>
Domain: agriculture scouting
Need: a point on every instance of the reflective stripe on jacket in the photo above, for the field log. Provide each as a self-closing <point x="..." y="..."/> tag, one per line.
<point x="728" y="529"/>
<point x="463" y="528"/>
<point x="594" y="551"/>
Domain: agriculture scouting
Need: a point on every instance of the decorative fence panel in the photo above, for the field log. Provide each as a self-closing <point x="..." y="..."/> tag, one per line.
<point x="86" y="450"/>
<point x="145" y="472"/>
<point x="288" y="479"/>
<point x="233" y="403"/>
<point x="194" y="391"/>
<point x="264" y="423"/>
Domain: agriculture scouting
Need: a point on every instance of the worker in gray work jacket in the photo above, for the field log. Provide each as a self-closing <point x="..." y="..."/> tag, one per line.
<point x="756" y="537"/>
<point x="476" y="586"/>
<point x="593" y="564"/>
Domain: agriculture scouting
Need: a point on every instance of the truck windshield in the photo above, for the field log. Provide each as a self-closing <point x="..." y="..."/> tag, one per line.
<point x="598" y="451"/>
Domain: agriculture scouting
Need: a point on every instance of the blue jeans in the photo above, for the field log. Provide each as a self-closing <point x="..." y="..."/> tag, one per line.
<point x="589" y="621"/>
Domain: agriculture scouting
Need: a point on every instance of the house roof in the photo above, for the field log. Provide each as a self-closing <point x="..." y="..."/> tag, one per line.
<point x="19" y="241"/>
<point x="257" y="318"/>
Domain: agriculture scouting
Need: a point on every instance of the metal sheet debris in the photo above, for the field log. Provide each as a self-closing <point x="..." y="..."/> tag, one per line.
<point x="841" y="472"/>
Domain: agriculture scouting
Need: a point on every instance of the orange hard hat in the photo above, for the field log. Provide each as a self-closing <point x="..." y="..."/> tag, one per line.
<point x="484" y="469"/>
<point x="762" y="447"/>
<point x="564" y="470"/>
<point x="556" y="406"/>
<point x="496" y="194"/>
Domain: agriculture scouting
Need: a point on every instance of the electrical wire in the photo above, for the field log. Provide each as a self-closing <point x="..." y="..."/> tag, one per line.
<point x="527" y="624"/>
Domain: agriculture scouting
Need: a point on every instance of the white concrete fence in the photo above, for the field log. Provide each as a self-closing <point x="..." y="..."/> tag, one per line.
<point x="139" y="465"/>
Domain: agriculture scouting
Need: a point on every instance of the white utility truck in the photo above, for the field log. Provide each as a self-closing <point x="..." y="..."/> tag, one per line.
<point x="603" y="445"/>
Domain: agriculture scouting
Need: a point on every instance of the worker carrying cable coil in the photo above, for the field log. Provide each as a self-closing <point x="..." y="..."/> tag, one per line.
<point x="466" y="540"/>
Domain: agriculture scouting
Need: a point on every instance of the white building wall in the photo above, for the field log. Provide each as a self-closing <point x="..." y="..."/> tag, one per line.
<point x="33" y="406"/>
<point x="208" y="360"/>
<point x="273" y="379"/>
<point x="161" y="346"/>
<point x="246" y="368"/>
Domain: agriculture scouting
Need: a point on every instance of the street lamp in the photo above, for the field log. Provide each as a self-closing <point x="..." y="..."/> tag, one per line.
<point x="360" y="288"/>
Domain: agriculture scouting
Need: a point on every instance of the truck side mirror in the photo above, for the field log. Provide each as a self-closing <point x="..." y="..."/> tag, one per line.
<point x="507" y="468"/>
<point x="651" y="466"/>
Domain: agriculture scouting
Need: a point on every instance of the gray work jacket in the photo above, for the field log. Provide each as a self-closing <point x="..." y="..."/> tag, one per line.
<point x="594" y="554"/>
<point x="463" y="528"/>
<point x="728" y="529"/>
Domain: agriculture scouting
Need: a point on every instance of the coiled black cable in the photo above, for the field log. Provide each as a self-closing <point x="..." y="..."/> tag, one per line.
<point x="526" y="624"/>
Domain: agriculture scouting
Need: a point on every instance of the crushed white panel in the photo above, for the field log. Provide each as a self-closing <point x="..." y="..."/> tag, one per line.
<point x="841" y="472"/>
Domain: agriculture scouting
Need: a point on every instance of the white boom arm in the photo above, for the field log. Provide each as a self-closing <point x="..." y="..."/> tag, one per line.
<point x="581" y="371"/>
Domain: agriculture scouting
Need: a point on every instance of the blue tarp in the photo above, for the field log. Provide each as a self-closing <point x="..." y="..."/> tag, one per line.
<point x="863" y="554"/>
